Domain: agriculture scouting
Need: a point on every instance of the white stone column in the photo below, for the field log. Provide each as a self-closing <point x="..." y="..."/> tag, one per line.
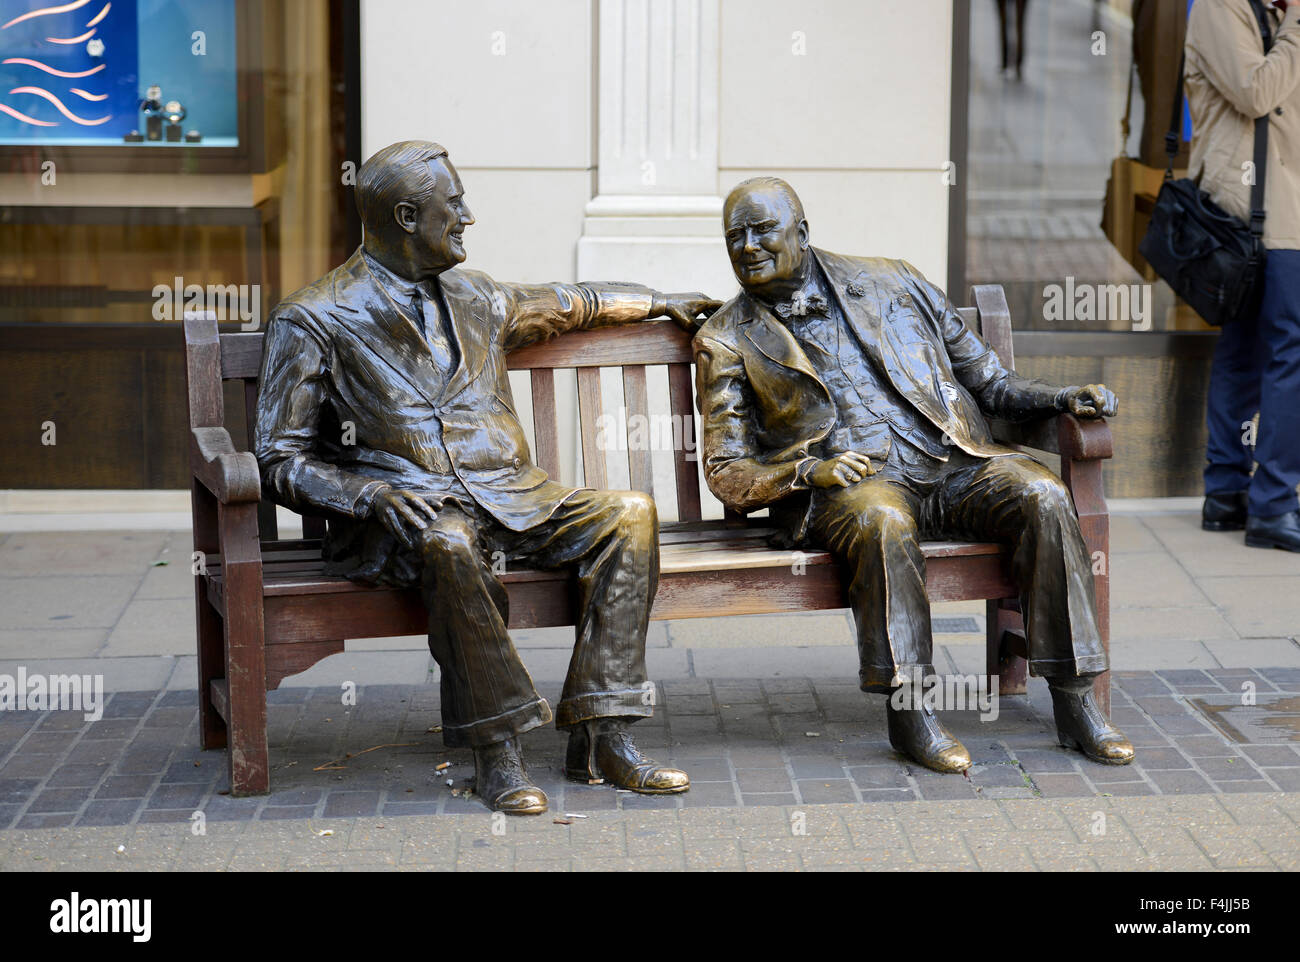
<point x="656" y="217"/>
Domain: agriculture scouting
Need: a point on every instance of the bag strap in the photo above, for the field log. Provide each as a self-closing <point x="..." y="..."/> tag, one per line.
<point x="1173" y="139"/>
<point x="1261" y="134"/>
<point x="1124" y="127"/>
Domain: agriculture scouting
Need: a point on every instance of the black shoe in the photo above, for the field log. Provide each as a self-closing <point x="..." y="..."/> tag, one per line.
<point x="918" y="734"/>
<point x="1224" y="512"/>
<point x="502" y="782"/>
<point x="1282" y="531"/>
<point x="1081" y="725"/>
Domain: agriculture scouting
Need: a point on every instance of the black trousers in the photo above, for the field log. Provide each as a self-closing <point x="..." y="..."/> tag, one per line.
<point x="875" y="528"/>
<point x="610" y="539"/>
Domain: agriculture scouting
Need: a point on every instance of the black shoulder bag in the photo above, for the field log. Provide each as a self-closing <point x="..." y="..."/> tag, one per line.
<point x="1210" y="258"/>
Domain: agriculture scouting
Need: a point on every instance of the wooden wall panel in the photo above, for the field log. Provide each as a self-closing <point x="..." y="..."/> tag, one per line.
<point x="93" y="398"/>
<point x="1160" y="437"/>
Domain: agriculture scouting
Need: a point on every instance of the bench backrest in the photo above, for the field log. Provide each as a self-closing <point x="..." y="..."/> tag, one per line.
<point x="213" y="358"/>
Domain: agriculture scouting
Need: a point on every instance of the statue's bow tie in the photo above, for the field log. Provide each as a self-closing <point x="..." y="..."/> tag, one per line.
<point x="802" y="304"/>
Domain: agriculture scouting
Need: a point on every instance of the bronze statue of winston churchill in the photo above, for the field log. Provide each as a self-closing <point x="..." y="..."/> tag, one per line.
<point x="846" y="395"/>
<point x="384" y="404"/>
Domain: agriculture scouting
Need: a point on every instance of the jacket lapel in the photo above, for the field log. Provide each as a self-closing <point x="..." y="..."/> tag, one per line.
<point x="909" y="364"/>
<point x="774" y="339"/>
<point x="470" y="328"/>
<point x="365" y="308"/>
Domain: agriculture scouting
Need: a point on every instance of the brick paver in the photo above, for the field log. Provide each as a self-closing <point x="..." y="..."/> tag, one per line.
<point x="747" y="744"/>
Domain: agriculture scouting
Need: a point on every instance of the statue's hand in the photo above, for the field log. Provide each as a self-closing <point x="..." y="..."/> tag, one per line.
<point x="683" y="309"/>
<point x="1092" y="401"/>
<point x="404" y="513"/>
<point x="841" y="470"/>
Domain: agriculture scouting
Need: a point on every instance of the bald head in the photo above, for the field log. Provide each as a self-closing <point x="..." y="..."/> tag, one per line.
<point x="767" y="236"/>
<point x="772" y="184"/>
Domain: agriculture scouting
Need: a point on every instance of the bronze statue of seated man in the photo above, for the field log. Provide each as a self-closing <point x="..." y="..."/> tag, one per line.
<point x="384" y="404"/>
<point x="846" y="395"/>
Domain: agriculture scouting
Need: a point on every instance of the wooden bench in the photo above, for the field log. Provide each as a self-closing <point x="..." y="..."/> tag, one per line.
<point x="265" y="610"/>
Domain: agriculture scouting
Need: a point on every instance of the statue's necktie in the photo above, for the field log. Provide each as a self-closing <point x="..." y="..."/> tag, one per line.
<point x="434" y="329"/>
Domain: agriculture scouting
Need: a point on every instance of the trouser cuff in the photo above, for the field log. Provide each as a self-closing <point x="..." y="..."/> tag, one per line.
<point x="622" y="703"/>
<point x="881" y="679"/>
<point x="498" y="728"/>
<point x="1085" y="665"/>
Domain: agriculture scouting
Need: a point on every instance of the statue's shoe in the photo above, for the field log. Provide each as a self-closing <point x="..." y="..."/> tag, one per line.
<point x="502" y="782"/>
<point x="610" y="755"/>
<point x="1081" y="725"/>
<point x="918" y="734"/>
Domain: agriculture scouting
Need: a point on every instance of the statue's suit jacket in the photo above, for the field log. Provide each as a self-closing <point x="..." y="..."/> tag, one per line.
<point x="763" y="407"/>
<point x="343" y="361"/>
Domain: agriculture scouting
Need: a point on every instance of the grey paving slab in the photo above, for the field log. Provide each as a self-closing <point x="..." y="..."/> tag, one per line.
<point x="153" y="626"/>
<point x="66" y="554"/>
<point x="65" y="601"/>
<point x="1152" y="579"/>
<point x="118" y="674"/>
<point x="1249" y="652"/>
<point x="829" y="629"/>
<point x="1258" y="606"/>
<point x="52" y="642"/>
<point x="1133" y="650"/>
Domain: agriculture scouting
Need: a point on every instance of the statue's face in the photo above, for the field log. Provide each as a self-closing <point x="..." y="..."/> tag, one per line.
<point x="766" y="238"/>
<point x="439" y="222"/>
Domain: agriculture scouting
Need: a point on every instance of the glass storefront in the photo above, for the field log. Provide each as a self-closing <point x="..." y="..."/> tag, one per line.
<point x="175" y="146"/>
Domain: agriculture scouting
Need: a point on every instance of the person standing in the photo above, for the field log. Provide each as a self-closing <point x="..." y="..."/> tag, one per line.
<point x="1007" y="26"/>
<point x="1230" y="81"/>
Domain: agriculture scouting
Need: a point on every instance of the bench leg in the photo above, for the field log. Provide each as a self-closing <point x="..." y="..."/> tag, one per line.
<point x="209" y="631"/>
<point x="1084" y="479"/>
<point x="250" y="771"/>
<point x="1003" y="625"/>
<point x="212" y="665"/>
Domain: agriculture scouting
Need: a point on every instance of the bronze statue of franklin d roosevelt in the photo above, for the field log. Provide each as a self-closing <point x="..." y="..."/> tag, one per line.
<point x="846" y="395"/>
<point x="384" y="404"/>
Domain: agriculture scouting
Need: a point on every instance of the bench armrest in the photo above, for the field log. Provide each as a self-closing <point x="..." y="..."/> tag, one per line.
<point x="1064" y="434"/>
<point x="230" y="475"/>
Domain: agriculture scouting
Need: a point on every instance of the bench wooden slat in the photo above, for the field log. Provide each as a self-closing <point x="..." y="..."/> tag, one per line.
<point x="640" y="461"/>
<point x="545" y="430"/>
<point x="994" y="321"/>
<point x="589" y="411"/>
<point x="241" y="355"/>
<point x="301" y="572"/>
<point x="652" y="342"/>
<point x="322" y="610"/>
<point x="682" y="405"/>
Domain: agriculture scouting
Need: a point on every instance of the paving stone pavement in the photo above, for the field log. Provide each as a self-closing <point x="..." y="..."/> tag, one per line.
<point x="1196" y="620"/>
<point x="791" y="745"/>
<point x="1185" y="833"/>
